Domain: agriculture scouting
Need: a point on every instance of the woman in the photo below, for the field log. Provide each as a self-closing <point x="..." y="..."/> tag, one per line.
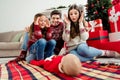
<point x="76" y="33"/>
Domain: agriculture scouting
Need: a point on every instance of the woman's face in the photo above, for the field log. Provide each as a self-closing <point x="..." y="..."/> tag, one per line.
<point x="74" y="15"/>
<point x="42" y="21"/>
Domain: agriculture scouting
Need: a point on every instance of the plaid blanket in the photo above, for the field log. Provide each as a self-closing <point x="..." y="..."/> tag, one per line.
<point x="91" y="71"/>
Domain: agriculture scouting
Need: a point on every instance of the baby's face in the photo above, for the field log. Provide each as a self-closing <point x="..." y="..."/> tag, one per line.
<point x="70" y="65"/>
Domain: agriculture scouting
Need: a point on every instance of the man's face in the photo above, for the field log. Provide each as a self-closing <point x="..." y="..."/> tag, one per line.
<point x="55" y="19"/>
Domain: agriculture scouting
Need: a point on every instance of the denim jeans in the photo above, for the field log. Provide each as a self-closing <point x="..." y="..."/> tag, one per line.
<point x="41" y="49"/>
<point x="25" y="42"/>
<point x="86" y="53"/>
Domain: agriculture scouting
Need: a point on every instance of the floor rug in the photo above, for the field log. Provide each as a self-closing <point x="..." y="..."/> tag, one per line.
<point x="91" y="71"/>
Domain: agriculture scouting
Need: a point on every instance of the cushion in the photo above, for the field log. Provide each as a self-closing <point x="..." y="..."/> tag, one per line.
<point x="10" y="45"/>
<point x="17" y="37"/>
<point x="6" y="36"/>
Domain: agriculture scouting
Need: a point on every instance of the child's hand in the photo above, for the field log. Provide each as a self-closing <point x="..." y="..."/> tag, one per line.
<point x="36" y="22"/>
<point x="27" y="29"/>
<point x="66" y="20"/>
<point x="47" y="23"/>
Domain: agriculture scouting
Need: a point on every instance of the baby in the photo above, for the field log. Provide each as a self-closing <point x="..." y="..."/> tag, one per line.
<point x="68" y="64"/>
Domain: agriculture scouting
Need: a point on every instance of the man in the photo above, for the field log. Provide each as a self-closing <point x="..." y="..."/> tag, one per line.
<point x="57" y="27"/>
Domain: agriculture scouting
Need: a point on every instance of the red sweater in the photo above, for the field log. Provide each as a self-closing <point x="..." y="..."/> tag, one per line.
<point x="57" y="35"/>
<point x="50" y="64"/>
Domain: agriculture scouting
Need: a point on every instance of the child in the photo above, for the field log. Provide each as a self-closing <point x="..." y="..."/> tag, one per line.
<point x="24" y="48"/>
<point x="41" y="45"/>
<point x="75" y="35"/>
<point x="57" y="28"/>
<point x="68" y="64"/>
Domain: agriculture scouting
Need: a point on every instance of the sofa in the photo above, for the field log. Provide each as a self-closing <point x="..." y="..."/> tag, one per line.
<point x="10" y="43"/>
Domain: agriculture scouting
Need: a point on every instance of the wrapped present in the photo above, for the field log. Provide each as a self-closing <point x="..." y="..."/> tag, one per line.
<point x="114" y="18"/>
<point x="100" y="36"/>
<point x="115" y="36"/>
<point x="114" y="2"/>
<point x="114" y="46"/>
<point x="96" y="25"/>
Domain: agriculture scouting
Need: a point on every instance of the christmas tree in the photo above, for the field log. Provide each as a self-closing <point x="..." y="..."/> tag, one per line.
<point x="98" y="9"/>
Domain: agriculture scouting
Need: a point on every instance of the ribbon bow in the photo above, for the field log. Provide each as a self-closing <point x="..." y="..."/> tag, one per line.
<point x="114" y="17"/>
<point x="94" y="24"/>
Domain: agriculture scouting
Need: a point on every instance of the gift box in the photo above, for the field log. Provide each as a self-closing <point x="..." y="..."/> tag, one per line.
<point x="96" y="25"/>
<point x="114" y="2"/>
<point x="114" y="18"/>
<point x="115" y="36"/>
<point x="114" y="46"/>
<point x="100" y="36"/>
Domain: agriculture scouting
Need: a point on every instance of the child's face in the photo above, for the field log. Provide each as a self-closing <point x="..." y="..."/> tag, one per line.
<point x="74" y="15"/>
<point x="55" y="19"/>
<point x="42" y="21"/>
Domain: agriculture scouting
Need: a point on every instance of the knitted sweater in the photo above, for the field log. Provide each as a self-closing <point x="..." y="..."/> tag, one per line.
<point x="73" y="43"/>
<point x="40" y="33"/>
<point x="57" y="35"/>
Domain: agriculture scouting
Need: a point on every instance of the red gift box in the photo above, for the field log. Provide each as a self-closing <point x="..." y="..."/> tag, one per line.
<point x="96" y="25"/>
<point x="114" y="46"/>
<point x="98" y="37"/>
<point x="114" y="18"/>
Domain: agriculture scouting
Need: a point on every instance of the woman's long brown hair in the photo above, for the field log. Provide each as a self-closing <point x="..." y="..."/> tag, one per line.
<point x="74" y="25"/>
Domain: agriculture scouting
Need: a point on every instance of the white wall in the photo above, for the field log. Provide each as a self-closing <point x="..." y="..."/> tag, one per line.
<point x="16" y="14"/>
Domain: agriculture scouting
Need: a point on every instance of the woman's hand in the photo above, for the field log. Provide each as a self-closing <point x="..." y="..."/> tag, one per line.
<point x="66" y="20"/>
<point x="88" y="29"/>
<point x="81" y="17"/>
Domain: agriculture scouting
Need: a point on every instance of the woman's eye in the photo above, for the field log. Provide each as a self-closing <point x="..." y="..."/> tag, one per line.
<point x="71" y="14"/>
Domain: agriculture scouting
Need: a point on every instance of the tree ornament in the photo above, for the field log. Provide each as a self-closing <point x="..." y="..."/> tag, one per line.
<point x="103" y="7"/>
<point x="96" y="12"/>
<point x="98" y="2"/>
<point x="92" y="5"/>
